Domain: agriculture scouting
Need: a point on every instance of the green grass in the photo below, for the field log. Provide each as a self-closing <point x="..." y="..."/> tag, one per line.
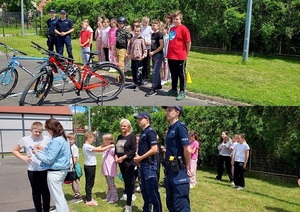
<point x="15" y="31"/>
<point x="262" y="193"/>
<point x="264" y="80"/>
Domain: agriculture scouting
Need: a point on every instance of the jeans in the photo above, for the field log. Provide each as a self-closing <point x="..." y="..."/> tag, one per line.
<point x="156" y="63"/>
<point x="60" y="45"/>
<point x="55" y="183"/>
<point x="85" y="56"/>
<point x="146" y="67"/>
<point x="39" y="188"/>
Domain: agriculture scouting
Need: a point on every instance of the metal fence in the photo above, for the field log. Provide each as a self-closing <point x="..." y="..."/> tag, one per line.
<point x="11" y="23"/>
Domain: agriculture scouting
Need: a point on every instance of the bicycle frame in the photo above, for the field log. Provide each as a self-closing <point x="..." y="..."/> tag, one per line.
<point x="15" y="62"/>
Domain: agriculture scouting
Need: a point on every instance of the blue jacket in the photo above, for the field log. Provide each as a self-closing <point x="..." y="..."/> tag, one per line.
<point x="56" y="156"/>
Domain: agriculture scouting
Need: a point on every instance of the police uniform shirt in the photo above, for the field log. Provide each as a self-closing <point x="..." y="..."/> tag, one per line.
<point x="64" y="25"/>
<point x="51" y="23"/>
<point x="177" y="137"/>
<point x="122" y="36"/>
<point x="147" y="139"/>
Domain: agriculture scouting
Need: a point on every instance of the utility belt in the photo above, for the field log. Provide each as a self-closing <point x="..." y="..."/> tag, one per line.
<point x="148" y="160"/>
<point x="175" y="163"/>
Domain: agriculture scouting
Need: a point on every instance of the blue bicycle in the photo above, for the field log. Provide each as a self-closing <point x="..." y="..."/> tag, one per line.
<point x="9" y="75"/>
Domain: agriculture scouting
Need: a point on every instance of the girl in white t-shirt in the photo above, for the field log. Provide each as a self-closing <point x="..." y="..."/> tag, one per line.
<point x="90" y="163"/>
<point x="239" y="160"/>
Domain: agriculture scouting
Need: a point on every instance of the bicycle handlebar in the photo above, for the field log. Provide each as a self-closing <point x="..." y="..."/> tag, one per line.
<point x="47" y="52"/>
<point x="12" y="49"/>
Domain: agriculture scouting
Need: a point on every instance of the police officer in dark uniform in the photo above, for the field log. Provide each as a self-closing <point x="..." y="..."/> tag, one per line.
<point x="64" y="28"/>
<point x="177" y="162"/>
<point x="51" y="38"/>
<point x="147" y="148"/>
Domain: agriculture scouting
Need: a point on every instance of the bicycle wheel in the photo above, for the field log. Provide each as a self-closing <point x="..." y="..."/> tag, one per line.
<point x="63" y="83"/>
<point x="8" y="81"/>
<point x="106" y="82"/>
<point x="37" y="89"/>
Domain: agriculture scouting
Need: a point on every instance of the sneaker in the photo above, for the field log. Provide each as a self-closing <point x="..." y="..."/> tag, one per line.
<point x="111" y="202"/>
<point x="180" y="96"/>
<point x="192" y="186"/>
<point x="128" y="208"/>
<point x="52" y="209"/>
<point x="76" y="200"/>
<point x="138" y="188"/>
<point x="145" y="82"/>
<point x="95" y="201"/>
<point x="133" y="198"/>
<point x="124" y="197"/>
<point x="151" y="93"/>
<point x="137" y="89"/>
<point x="163" y="82"/>
<point x="239" y="188"/>
<point x="232" y="183"/>
<point x="171" y="93"/>
<point x="131" y="86"/>
<point x="158" y="87"/>
<point x="91" y="203"/>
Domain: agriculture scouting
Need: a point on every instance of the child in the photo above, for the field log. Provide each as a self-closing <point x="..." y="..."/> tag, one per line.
<point x="84" y="40"/>
<point x="98" y="40"/>
<point x="123" y="37"/>
<point x="239" y="160"/>
<point x="194" y="144"/>
<point x="104" y="38"/>
<point x="109" y="168"/>
<point x="112" y="40"/>
<point x="156" y="52"/>
<point x="90" y="163"/>
<point x="89" y="28"/>
<point x="165" y="75"/>
<point x="36" y="175"/>
<point x="137" y="51"/>
<point x="76" y="183"/>
<point x="127" y="59"/>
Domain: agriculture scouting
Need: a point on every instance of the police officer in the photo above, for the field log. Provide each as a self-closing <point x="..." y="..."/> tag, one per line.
<point x="64" y="28"/>
<point x="51" y="38"/>
<point x="147" y="148"/>
<point x="177" y="162"/>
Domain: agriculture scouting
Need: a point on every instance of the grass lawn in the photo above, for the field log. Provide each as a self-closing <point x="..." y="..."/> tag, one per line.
<point x="264" y="80"/>
<point x="15" y="31"/>
<point x="262" y="193"/>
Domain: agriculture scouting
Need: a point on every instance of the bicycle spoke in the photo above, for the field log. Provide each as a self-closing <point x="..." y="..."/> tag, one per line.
<point x="8" y="81"/>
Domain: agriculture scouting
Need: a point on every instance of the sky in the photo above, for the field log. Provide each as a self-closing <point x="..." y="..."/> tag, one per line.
<point x="79" y="109"/>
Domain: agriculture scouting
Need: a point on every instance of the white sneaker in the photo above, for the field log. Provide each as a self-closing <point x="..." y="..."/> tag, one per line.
<point x="138" y="188"/>
<point x="192" y="186"/>
<point x="124" y="197"/>
<point x="128" y="208"/>
<point x="232" y="183"/>
<point x="76" y="200"/>
<point x="163" y="82"/>
<point x="133" y="198"/>
<point x="239" y="188"/>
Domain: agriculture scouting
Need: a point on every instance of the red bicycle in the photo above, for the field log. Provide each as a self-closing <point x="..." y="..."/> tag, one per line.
<point x="102" y="82"/>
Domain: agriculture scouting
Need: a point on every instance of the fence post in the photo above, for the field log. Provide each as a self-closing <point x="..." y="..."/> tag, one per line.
<point x="1" y="144"/>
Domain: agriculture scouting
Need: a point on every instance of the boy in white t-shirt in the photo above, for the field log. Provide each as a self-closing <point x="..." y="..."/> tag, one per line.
<point x="90" y="163"/>
<point x="239" y="160"/>
<point x="36" y="175"/>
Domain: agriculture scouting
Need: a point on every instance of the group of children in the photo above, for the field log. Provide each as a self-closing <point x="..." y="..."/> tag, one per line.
<point x="132" y="47"/>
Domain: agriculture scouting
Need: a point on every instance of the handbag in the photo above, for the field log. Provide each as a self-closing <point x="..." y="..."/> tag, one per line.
<point x="71" y="175"/>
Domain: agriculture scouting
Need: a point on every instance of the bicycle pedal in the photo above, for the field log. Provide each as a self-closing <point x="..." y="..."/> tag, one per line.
<point x="77" y="92"/>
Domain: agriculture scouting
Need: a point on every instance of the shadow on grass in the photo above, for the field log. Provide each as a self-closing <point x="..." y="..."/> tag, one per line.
<point x="276" y="209"/>
<point x="27" y="210"/>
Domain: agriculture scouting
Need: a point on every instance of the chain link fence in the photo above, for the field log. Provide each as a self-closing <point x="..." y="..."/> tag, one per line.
<point x="11" y="23"/>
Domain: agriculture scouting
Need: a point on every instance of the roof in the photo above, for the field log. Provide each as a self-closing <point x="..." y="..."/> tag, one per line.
<point x="46" y="110"/>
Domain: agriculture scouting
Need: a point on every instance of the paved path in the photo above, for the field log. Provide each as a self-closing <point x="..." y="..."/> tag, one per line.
<point x="125" y="98"/>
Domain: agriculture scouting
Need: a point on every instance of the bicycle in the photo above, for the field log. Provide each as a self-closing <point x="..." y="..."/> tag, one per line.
<point x="102" y="82"/>
<point x="9" y="75"/>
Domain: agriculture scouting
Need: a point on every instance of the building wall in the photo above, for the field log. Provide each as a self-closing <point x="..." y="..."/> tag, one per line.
<point x="15" y="126"/>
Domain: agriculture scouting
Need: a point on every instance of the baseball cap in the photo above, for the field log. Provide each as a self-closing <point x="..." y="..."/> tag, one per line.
<point x="179" y="108"/>
<point x="52" y="11"/>
<point x="143" y="115"/>
<point x="63" y="12"/>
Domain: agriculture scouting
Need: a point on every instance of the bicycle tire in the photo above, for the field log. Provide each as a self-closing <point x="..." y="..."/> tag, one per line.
<point x="37" y="89"/>
<point x="63" y="83"/>
<point x="6" y="89"/>
<point x="109" y="77"/>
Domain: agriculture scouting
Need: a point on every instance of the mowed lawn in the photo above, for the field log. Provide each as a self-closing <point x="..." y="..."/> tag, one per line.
<point x="263" y="80"/>
<point x="262" y="193"/>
